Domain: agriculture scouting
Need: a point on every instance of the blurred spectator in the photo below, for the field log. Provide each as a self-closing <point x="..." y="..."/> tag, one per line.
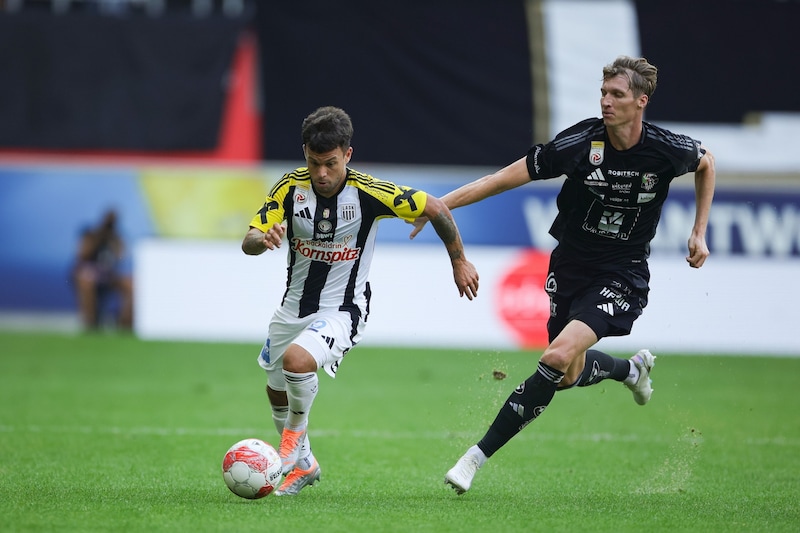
<point x="103" y="287"/>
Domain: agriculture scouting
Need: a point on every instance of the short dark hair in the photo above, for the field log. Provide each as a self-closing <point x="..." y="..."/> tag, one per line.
<point x="642" y="76"/>
<point x="327" y="128"/>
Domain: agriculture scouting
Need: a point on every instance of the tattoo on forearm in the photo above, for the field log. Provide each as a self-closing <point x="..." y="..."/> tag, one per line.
<point x="446" y="229"/>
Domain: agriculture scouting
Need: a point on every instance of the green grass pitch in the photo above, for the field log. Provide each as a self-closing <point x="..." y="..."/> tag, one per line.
<point x="111" y="433"/>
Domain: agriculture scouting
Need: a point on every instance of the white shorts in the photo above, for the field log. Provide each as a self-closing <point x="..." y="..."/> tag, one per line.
<point x="327" y="336"/>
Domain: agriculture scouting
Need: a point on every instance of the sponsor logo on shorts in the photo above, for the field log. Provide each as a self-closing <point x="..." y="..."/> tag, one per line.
<point x="616" y="299"/>
<point x="607" y="308"/>
<point x="317" y="325"/>
<point x="265" y="352"/>
<point x="551" y="287"/>
<point x="327" y="340"/>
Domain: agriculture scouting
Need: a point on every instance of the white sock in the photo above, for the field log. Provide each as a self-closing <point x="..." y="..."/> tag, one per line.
<point x="301" y="389"/>
<point x="479" y="455"/>
<point x="305" y="462"/>
<point x="633" y="374"/>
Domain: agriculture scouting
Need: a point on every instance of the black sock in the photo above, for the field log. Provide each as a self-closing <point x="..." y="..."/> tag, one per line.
<point x="522" y="406"/>
<point x="600" y="366"/>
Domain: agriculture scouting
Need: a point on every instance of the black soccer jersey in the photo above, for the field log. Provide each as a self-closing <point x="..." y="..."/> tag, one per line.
<point x="610" y="203"/>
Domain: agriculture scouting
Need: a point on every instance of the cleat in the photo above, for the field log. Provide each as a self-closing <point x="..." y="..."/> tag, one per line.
<point x="297" y="479"/>
<point x="290" y="448"/>
<point x="460" y="476"/>
<point x="642" y="389"/>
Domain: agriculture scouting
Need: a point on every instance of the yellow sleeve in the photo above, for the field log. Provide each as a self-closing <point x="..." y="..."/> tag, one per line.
<point x="404" y="202"/>
<point x="409" y="203"/>
<point x="272" y="211"/>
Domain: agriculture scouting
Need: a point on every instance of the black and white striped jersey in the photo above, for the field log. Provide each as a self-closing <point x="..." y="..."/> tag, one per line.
<point x="331" y="240"/>
<point x="610" y="204"/>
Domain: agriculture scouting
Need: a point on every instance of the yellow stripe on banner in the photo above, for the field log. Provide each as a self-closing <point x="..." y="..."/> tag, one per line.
<point x="207" y="203"/>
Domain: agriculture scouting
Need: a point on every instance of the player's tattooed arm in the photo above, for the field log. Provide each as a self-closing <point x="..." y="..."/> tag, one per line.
<point x="256" y="241"/>
<point x="464" y="272"/>
<point x="446" y="228"/>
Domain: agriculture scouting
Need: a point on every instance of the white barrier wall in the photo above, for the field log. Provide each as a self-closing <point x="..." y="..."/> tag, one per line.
<point x="192" y="290"/>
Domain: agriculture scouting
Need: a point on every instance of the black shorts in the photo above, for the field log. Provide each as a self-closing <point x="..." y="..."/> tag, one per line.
<point x="608" y="301"/>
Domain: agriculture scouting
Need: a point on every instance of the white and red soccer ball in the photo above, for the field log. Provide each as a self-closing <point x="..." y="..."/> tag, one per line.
<point x="251" y="469"/>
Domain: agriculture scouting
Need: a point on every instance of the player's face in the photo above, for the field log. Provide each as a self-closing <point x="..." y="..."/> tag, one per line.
<point x="327" y="170"/>
<point x="618" y="104"/>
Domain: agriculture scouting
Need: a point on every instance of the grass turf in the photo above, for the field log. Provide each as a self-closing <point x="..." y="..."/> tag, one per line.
<point x="105" y="432"/>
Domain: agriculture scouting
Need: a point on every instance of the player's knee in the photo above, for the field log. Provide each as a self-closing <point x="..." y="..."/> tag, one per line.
<point x="297" y="359"/>
<point x="557" y="358"/>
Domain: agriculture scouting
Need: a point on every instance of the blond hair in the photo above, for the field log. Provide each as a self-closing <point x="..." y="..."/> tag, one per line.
<point x="641" y="75"/>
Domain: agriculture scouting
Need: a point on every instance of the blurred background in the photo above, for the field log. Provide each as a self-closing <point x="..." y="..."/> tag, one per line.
<point x="178" y="115"/>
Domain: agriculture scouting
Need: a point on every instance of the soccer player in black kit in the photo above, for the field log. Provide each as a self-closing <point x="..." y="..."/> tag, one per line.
<point x="618" y="170"/>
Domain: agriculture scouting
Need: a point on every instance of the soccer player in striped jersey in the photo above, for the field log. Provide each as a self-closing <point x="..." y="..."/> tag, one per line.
<point x="328" y="214"/>
<point x="618" y="170"/>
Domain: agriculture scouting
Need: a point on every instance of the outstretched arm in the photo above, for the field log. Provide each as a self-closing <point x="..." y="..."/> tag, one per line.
<point x="704" y="180"/>
<point x="464" y="272"/>
<point x="256" y="241"/>
<point x="507" y="178"/>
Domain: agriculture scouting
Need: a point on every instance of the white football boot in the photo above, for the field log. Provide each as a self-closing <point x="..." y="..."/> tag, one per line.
<point x="642" y="389"/>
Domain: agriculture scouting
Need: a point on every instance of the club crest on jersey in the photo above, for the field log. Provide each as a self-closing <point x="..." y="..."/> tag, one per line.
<point x="347" y="212"/>
<point x="649" y="181"/>
<point x="596" y="153"/>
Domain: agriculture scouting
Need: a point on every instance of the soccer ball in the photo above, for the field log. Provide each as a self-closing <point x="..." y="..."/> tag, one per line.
<point x="251" y="469"/>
